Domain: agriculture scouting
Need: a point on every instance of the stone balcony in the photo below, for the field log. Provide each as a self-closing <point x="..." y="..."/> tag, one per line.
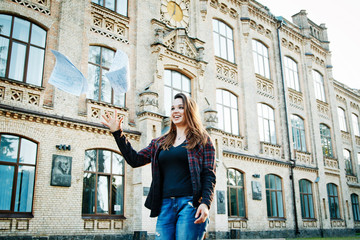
<point x="304" y="158"/>
<point x="351" y="179"/>
<point x="233" y="143"/>
<point x="265" y="87"/>
<point x="270" y="150"/>
<point x="331" y="165"/>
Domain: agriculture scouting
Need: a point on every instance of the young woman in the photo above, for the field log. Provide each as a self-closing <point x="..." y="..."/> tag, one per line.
<point x="183" y="171"/>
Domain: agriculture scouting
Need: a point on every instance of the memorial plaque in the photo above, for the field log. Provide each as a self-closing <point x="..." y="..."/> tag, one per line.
<point x="61" y="171"/>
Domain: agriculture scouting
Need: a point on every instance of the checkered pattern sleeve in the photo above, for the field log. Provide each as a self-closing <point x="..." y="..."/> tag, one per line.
<point x="208" y="177"/>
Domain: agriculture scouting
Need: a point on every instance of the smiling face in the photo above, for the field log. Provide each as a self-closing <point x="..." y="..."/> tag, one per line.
<point x="178" y="113"/>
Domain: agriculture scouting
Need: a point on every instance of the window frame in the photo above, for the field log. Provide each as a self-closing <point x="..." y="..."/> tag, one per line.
<point x="307" y="195"/>
<point x="265" y="121"/>
<point x="336" y="200"/>
<point x="115" y="6"/>
<point x="342" y="119"/>
<point x="230" y="50"/>
<point x="319" y="86"/>
<point x="101" y="75"/>
<point x="168" y="100"/>
<point x="355" y="207"/>
<point x="221" y="106"/>
<point x="28" y="46"/>
<point x="299" y="137"/>
<point x="269" y="200"/>
<point x="291" y="74"/>
<point x="237" y="188"/>
<point x="110" y="175"/>
<point x="260" y="59"/>
<point x="11" y="213"/>
<point x="349" y="169"/>
<point x="355" y="122"/>
<point x="326" y="139"/>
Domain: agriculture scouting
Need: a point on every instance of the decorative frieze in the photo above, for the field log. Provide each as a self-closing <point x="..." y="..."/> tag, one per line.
<point x="323" y="109"/>
<point x="42" y="6"/>
<point x="237" y="224"/>
<point x="211" y="119"/>
<point x="16" y="95"/>
<point x="95" y="110"/>
<point x="346" y="137"/>
<point x="351" y="179"/>
<point x="270" y="150"/>
<point x="261" y="29"/>
<point x="337" y="223"/>
<point x="290" y="45"/>
<point x="265" y="87"/>
<point x="296" y="99"/>
<point x="340" y="99"/>
<point x="357" y="140"/>
<point x="277" y="224"/>
<point x="304" y="158"/>
<point x="232" y="143"/>
<point x="22" y="224"/>
<point x="109" y="24"/>
<point x="310" y="224"/>
<point x="226" y="71"/>
<point x="224" y="8"/>
<point x="331" y="164"/>
<point x="149" y="101"/>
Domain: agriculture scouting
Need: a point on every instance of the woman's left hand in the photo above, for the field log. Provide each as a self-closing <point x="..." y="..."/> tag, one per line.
<point x="202" y="213"/>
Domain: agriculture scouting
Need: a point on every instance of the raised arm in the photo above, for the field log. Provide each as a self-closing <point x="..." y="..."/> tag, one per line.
<point x="131" y="156"/>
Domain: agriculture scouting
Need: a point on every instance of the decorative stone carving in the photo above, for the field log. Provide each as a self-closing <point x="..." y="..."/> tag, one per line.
<point x="357" y="140"/>
<point x="346" y="137"/>
<point x="338" y="223"/>
<point x="233" y="143"/>
<point x="238" y="224"/>
<point x="331" y="163"/>
<point x="2" y="93"/>
<point x="109" y="24"/>
<point x="351" y="179"/>
<point x="309" y="224"/>
<point x="42" y="6"/>
<point x="296" y="99"/>
<point x="225" y="71"/>
<point x="96" y="109"/>
<point x="304" y="158"/>
<point x="277" y="224"/>
<point x="149" y="101"/>
<point x="16" y="95"/>
<point x="265" y="87"/>
<point x="211" y="119"/>
<point x="323" y="109"/>
<point x="270" y="150"/>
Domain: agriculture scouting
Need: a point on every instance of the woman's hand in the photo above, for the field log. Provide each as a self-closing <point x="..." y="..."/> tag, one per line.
<point x="112" y="122"/>
<point x="202" y="213"/>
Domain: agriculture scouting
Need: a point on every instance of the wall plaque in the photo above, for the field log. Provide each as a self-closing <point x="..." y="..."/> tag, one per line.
<point x="61" y="171"/>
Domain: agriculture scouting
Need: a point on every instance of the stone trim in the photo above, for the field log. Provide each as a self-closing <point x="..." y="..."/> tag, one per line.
<point x="42" y="6"/>
<point x="244" y="157"/>
<point x="65" y="122"/>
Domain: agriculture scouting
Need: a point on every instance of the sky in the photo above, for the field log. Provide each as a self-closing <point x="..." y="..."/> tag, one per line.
<point x="342" y="22"/>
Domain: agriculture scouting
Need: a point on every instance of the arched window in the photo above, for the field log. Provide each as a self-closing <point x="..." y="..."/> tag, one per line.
<point x="306" y="198"/>
<point x="223" y="40"/>
<point x="355" y="122"/>
<point x="355" y="206"/>
<point x="22" y="50"/>
<point x="333" y="196"/>
<point x="342" y="119"/>
<point x="119" y="6"/>
<point x="175" y="83"/>
<point x="261" y="59"/>
<point x="266" y="120"/>
<point x="228" y="115"/>
<point x="291" y="74"/>
<point x="235" y="192"/>
<point x="100" y="59"/>
<point x="103" y="185"/>
<point x="326" y="140"/>
<point x="17" y="174"/>
<point x="298" y="132"/>
<point x="348" y="162"/>
<point x="319" y="86"/>
<point x="274" y="196"/>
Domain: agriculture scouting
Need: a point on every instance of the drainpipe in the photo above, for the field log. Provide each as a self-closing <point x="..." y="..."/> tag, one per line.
<point x="280" y="23"/>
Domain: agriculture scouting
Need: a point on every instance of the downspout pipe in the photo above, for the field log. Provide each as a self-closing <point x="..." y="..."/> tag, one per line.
<point x="280" y="24"/>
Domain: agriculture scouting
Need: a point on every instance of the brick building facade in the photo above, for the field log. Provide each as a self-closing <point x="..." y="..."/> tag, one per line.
<point x="286" y="133"/>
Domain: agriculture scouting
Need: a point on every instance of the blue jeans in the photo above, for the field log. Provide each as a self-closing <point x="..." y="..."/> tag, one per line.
<point x="176" y="220"/>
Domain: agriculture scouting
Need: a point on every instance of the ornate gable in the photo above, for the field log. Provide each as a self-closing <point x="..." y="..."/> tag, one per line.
<point x="178" y="41"/>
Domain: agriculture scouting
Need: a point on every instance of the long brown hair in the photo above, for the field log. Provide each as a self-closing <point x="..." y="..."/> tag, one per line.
<point x="195" y="133"/>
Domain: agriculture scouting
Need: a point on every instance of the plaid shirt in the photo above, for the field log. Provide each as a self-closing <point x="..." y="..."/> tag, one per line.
<point x="201" y="164"/>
